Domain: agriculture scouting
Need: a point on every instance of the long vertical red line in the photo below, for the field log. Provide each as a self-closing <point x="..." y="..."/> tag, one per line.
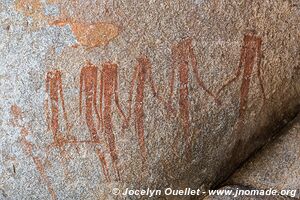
<point x="89" y="86"/>
<point x="102" y="159"/>
<point x="184" y="112"/>
<point x="139" y="105"/>
<point x="248" y="60"/>
<point x="52" y="84"/>
<point x="251" y="48"/>
<point x="44" y="176"/>
<point x="109" y="74"/>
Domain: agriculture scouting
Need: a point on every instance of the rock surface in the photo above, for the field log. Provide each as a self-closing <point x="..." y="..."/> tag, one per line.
<point x="277" y="165"/>
<point x="102" y="94"/>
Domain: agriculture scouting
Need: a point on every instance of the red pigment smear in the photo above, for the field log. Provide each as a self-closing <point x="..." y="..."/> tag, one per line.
<point x="88" y="84"/>
<point x="182" y="55"/>
<point x="55" y="91"/>
<point x="108" y="92"/>
<point x="139" y="104"/>
<point x="250" y="53"/>
<point x="27" y="147"/>
<point x="103" y="164"/>
<point x="41" y="169"/>
<point x="142" y="73"/>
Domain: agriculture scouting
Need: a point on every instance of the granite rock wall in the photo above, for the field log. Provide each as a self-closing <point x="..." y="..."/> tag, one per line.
<point x="134" y="94"/>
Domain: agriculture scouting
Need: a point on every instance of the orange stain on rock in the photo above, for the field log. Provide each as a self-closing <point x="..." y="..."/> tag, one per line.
<point x="91" y="35"/>
<point x="87" y="34"/>
<point x="53" y="1"/>
<point x="30" y="8"/>
<point x="16" y="112"/>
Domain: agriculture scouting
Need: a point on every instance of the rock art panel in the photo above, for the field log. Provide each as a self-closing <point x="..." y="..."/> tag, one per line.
<point x="158" y="93"/>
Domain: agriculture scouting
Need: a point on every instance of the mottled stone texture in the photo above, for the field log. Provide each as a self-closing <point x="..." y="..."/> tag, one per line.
<point x="277" y="165"/>
<point x="103" y="94"/>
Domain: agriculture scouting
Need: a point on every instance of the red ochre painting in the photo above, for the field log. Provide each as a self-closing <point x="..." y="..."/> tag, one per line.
<point x="99" y="96"/>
